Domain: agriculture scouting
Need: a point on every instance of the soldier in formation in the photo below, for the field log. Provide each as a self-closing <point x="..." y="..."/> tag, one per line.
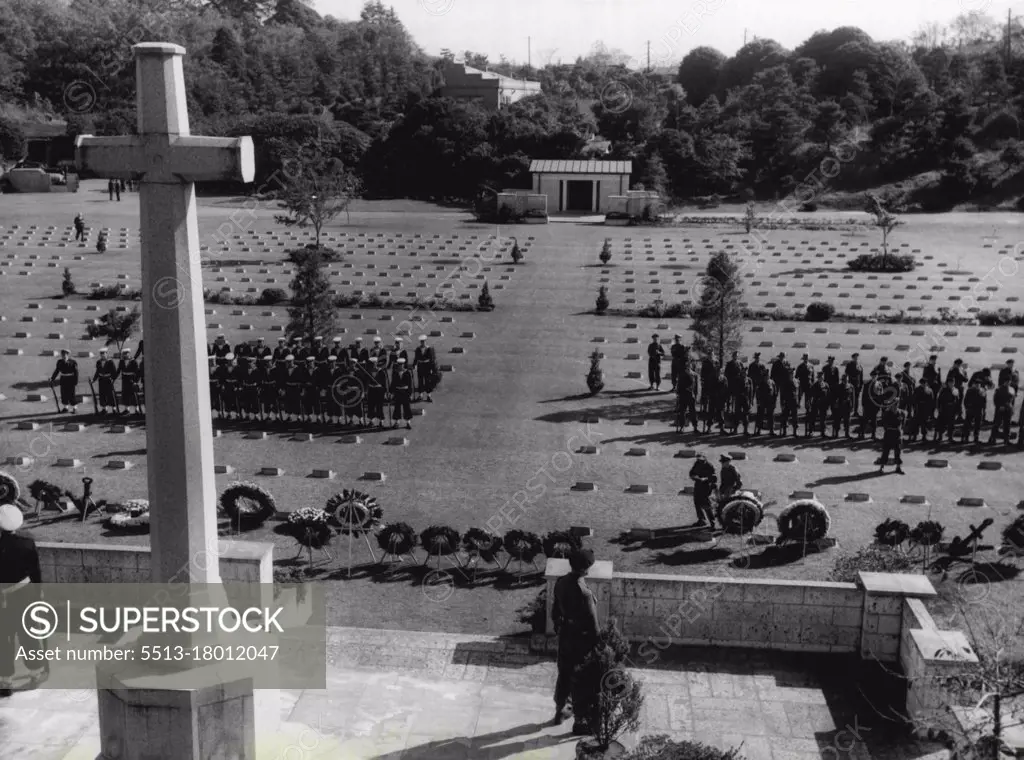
<point x="66" y="375"/>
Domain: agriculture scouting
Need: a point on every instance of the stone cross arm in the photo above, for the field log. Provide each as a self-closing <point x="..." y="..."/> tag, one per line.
<point x="167" y="158"/>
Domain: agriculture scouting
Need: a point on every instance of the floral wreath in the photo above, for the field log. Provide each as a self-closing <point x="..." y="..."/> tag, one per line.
<point x="134" y="513"/>
<point x="523" y="545"/>
<point x="1013" y="534"/>
<point x="479" y="542"/>
<point x="397" y="538"/>
<point x="740" y="514"/>
<point x="892" y="532"/>
<point x="354" y="511"/>
<point x="40" y="490"/>
<point x="804" y="520"/>
<point x="9" y="490"/>
<point x="440" y="539"/>
<point x="927" y="533"/>
<point x="560" y="544"/>
<point x="311" y="527"/>
<point x="247" y="504"/>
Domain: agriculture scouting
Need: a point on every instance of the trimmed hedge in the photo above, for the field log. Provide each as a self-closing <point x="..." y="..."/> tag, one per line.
<point x="820" y="311"/>
<point x="877" y="262"/>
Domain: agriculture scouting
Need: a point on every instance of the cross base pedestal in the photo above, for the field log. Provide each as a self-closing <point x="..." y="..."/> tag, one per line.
<point x="148" y="718"/>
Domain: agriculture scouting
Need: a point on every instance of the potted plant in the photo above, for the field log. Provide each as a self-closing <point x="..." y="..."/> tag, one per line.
<point x="516" y="254"/>
<point x="606" y="699"/>
<point x="606" y="252"/>
<point x="595" y="377"/>
<point x="663" y="748"/>
<point x="601" y="306"/>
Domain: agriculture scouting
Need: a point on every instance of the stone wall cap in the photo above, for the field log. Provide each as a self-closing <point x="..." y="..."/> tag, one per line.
<point x="896" y="584"/>
<point x="158" y="48"/>
<point x="556" y="568"/>
<point x="932" y="642"/>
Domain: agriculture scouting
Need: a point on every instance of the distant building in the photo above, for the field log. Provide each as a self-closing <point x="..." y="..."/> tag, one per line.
<point x="493" y="91"/>
<point x="582" y="186"/>
<point x="48" y="144"/>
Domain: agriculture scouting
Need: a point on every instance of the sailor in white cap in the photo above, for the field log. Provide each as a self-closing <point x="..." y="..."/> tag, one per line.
<point x="66" y="375"/>
<point x="220" y="347"/>
<point x="425" y="364"/>
<point x="19" y="587"/>
<point x="128" y="369"/>
<point x="401" y="391"/>
<point x="378" y="390"/>
<point x="106" y="373"/>
<point x="356" y="352"/>
<point x="397" y="352"/>
<point x="281" y="351"/>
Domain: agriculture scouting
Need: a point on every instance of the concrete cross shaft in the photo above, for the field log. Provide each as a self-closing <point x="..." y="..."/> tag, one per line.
<point x="179" y="431"/>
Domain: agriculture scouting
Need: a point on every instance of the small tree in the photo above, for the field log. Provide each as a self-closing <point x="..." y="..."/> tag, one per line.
<point x="68" y="285"/>
<point x="749" y="217"/>
<point x="485" y="302"/>
<point x="312" y="311"/>
<point x="516" y="254"/>
<point x="602" y="300"/>
<point x="101" y="242"/>
<point x="718" y="316"/>
<point x="317" y="188"/>
<point x="606" y="251"/>
<point x="12" y="142"/>
<point x="884" y="221"/>
<point x="605" y="696"/>
<point x="595" y="377"/>
<point x="116" y="326"/>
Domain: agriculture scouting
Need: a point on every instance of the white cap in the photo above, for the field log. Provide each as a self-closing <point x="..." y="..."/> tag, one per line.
<point x="229" y="357"/>
<point x="289" y="358"/>
<point x="11" y="518"/>
<point x="337" y="340"/>
<point x="423" y="337"/>
<point x="378" y="340"/>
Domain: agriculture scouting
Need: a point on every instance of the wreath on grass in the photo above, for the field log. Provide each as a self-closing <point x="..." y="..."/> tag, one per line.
<point x="133" y="514"/>
<point x="397" y="538"/>
<point x="892" y="532"/>
<point x="9" y="490"/>
<point x="1013" y="535"/>
<point x="523" y="545"/>
<point x="478" y="542"/>
<point x="45" y="492"/>
<point x="247" y="505"/>
<point x="440" y="539"/>
<point x="927" y="533"/>
<point x="560" y="544"/>
<point x="311" y="527"/>
<point x="354" y="511"/>
<point x="740" y="514"/>
<point x="804" y="520"/>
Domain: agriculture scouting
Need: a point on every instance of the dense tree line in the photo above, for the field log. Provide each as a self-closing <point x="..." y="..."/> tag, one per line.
<point x="758" y="122"/>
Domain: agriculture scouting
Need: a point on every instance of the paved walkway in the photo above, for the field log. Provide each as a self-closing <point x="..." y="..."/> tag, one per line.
<point x="395" y="695"/>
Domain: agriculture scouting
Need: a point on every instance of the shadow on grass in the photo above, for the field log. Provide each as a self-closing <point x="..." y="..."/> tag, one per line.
<point x="988" y="572"/>
<point x="695" y="557"/>
<point x="773" y="556"/>
<point x="27" y="385"/>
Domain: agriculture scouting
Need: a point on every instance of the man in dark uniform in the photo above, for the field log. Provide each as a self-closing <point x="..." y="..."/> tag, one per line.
<point x="882" y="368"/>
<point x="266" y="395"/>
<point x="298" y="350"/>
<point x="947" y="403"/>
<point x="680" y="358"/>
<point x="830" y="372"/>
<point x="356" y="351"/>
<point x="426" y="368"/>
<point x="764" y="390"/>
<point x="323" y="376"/>
<point x="842" y="406"/>
<point x="339" y="351"/>
<point x="757" y="372"/>
<point x="923" y="410"/>
<point x="975" y="403"/>
<point x="248" y="389"/>
<point x="377" y="391"/>
<point x="893" y="419"/>
<point x="319" y="351"/>
<point x="959" y="376"/>
<point x="718" y="400"/>
<point x="686" y="397"/>
<point x="704" y="484"/>
<point x="779" y="371"/>
<point x="286" y="391"/>
<point x="821" y="394"/>
<point x="221" y="347"/>
<point x="574" y="616"/>
<point x="804" y="376"/>
<point x="308" y="387"/>
<point x="1004" y="413"/>
<point x="214" y="385"/>
<point x="907" y="386"/>
<point x="242" y="351"/>
<point x="281" y="351"/>
<point x="106" y="374"/>
<point x="790" y="406"/>
<point x="355" y="382"/>
<point x="1010" y="374"/>
<point x="932" y="374"/>
<point x="731" y="480"/>
<point x="20" y="579"/>
<point x="333" y="400"/>
<point x="401" y="392"/>
<point x="378" y="352"/>
<point x="708" y="379"/>
<point x="128" y="370"/>
<point x="66" y="374"/>
<point x="261" y="349"/>
<point x="734" y="370"/>
<point x="855" y="373"/>
<point x="226" y="376"/>
<point x="1020" y="428"/>
<point x="655" y="353"/>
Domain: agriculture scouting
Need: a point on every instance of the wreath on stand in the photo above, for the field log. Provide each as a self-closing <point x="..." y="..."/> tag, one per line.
<point x="927" y="533"/>
<point x="1013" y="537"/>
<point x="478" y="542"/>
<point x="740" y="514"/>
<point x="892" y="533"/>
<point x="354" y="512"/>
<point x="9" y="490"/>
<point x="311" y="527"/>
<point x="132" y="515"/>
<point x="804" y="521"/>
<point x="523" y="546"/>
<point x="247" y="505"/>
<point x="438" y="541"/>
<point x="396" y="539"/>
<point x="45" y="495"/>
<point x="560" y="544"/>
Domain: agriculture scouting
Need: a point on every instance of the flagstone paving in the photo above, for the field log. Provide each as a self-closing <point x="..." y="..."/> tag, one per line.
<point x="402" y="695"/>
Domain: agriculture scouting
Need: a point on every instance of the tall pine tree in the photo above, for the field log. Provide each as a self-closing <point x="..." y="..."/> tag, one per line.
<point x="718" y="318"/>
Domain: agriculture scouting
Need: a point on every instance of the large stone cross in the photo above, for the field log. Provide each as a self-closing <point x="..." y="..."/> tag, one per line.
<point x="179" y="432"/>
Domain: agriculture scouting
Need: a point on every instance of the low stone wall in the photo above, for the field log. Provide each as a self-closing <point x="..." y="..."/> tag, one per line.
<point x="29" y="180"/>
<point x="240" y="561"/>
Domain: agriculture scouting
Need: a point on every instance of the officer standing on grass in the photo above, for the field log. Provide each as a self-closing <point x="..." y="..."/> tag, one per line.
<point x="1004" y="397"/>
<point x="401" y="391"/>
<point x="804" y="375"/>
<point x="704" y="484"/>
<point x="855" y="373"/>
<point x="574" y="616"/>
<point x="893" y="419"/>
<point x="975" y="403"/>
<point x="66" y="375"/>
<point x="680" y="359"/>
<point x="731" y="480"/>
<point x="106" y="373"/>
<point x="923" y="410"/>
<point x="655" y="353"/>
